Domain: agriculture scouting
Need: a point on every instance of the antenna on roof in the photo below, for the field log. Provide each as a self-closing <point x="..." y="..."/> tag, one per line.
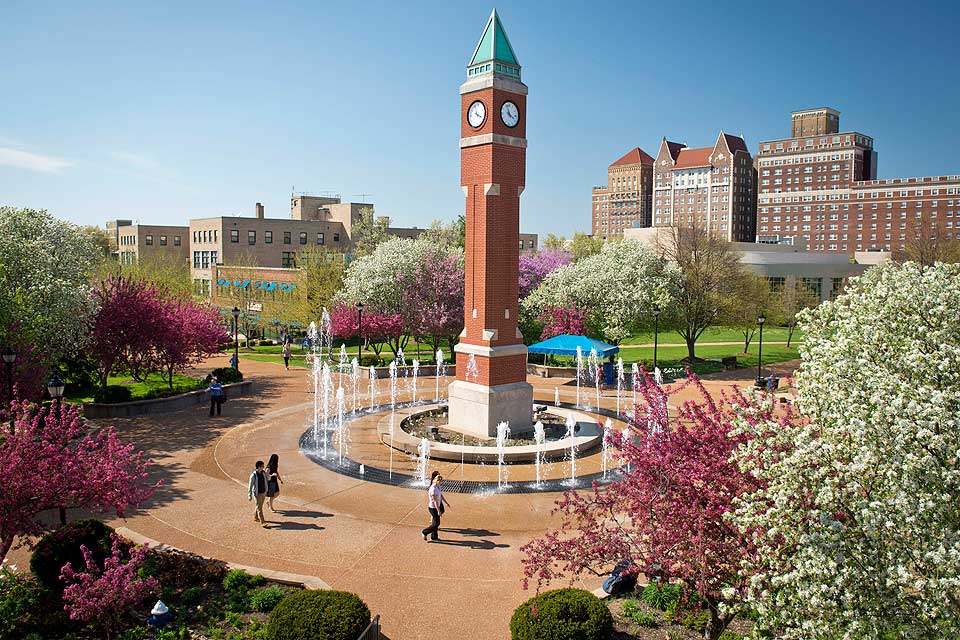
<point x="363" y="196"/>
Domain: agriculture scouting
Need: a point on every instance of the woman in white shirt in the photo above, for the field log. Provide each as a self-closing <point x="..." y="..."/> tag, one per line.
<point x="435" y="502"/>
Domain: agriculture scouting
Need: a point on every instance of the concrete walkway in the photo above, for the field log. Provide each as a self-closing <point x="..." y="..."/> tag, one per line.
<point x="350" y="534"/>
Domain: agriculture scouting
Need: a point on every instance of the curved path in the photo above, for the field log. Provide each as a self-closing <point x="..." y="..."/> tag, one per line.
<point x="353" y="535"/>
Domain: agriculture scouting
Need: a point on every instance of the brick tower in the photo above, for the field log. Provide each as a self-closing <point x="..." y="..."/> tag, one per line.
<point x="493" y="109"/>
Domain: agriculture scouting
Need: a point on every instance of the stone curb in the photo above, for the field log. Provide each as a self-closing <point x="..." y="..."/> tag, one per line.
<point x="309" y="582"/>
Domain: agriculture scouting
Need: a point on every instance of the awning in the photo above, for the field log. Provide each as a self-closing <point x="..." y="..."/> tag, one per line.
<point x="566" y="345"/>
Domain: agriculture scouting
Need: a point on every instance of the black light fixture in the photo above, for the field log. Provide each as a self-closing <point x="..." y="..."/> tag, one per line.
<point x="55" y="387"/>
<point x="656" y="334"/>
<point x="760" y="321"/>
<point x="236" y="344"/>
<point x="359" y="331"/>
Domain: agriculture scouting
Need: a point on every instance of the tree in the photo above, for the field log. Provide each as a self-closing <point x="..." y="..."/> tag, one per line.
<point x="711" y="280"/>
<point x="561" y="320"/>
<point x="165" y="272"/>
<point x="926" y="248"/>
<point x="617" y="288"/>
<point x="28" y="370"/>
<point x="535" y="267"/>
<point x="189" y="334"/>
<point x="436" y="288"/>
<point x="45" y="266"/>
<point x="444" y="236"/>
<point x="69" y="467"/>
<point x="755" y="298"/>
<point x="795" y="296"/>
<point x="100" y="239"/>
<point x="367" y="232"/>
<point x="554" y="242"/>
<point x="855" y="516"/>
<point x="322" y="277"/>
<point x="105" y="596"/>
<point x="584" y="246"/>
<point x="669" y="512"/>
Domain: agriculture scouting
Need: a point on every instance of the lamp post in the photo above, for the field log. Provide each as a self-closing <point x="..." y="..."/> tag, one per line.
<point x="236" y="344"/>
<point x="760" y="321"/>
<point x="359" y="331"/>
<point x="55" y="387"/>
<point x="656" y="334"/>
<point x="9" y="357"/>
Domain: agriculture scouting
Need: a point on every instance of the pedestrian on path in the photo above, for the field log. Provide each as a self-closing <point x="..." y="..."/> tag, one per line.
<point x="286" y="356"/>
<point x="273" y="479"/>
<point x="435" y="502"/>
<point x="257" y="490"/>
<point x="216" y="395"/>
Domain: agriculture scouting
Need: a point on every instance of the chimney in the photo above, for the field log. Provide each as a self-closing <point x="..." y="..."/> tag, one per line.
<point x="260" y="211"/>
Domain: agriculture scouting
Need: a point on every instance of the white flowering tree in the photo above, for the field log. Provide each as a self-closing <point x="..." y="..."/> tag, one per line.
<point x="617" y="288"/>
<point x="858" y="528"/>
<point x="45" y="294"/>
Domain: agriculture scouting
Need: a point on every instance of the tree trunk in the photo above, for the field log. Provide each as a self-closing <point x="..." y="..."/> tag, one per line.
<point x="790" y="328"/>
<point x="691" y="349"/>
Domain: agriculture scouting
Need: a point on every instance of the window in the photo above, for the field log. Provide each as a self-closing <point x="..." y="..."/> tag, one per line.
<point x="234" y="235"/>
<point x="163" y="241"/>
<point x="176" y="241"/>
<point x="813" y="284"/>
<point x="320" y="238"/>
<point x="303" y="237"/>
<point x="287" y="260"/>
<point x="148" y="239"/>
<point x="336" y="237"/>
<point x="251" y="237"/>
<point x="268" y="237"/>
<point x="196" y="259"/>
<point x="286" y="237"/>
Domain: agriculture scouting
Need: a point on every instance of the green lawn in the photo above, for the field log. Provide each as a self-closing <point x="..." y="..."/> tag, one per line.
<point x="153" y="386"/>
<point x="714" y="334"/>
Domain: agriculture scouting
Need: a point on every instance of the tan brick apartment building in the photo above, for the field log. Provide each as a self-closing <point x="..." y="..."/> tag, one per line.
<point x="820" y="185"/>
<point x="136" y="242"/>
<point x="710" y="187"/>
<point x="626" y="200"/>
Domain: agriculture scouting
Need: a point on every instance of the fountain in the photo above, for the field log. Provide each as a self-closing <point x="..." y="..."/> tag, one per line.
<point x="635" y="372"/>
<point x="327" y="383"/>
<point x="556" y="396"/>
<point x="416" y="370"/>
<point x="503" y="434"/>
<point x="619" y="382"/>
<point x="325" y="334"/>
<point x="596" y="369"/>
<point x="372" y="390"/>
<point x="341" y="433"/>
<point x="424" y="461"/>
<point x="539" y="437"/>
<point x="472" y="373"/>
<point x="624" y="441"/>
<point x="355" y="376"/>
<point x="571" y="433"/>
<point x="579" y="372"/>
<point x="393" y="385"/>
<point x="605" y="443"/>
<point x="440" y="372"/>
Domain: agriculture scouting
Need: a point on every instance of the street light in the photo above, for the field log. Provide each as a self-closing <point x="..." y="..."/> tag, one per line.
<point x="9" y="357"/>
<point x="760" y="321"/>
<point x="55" y="387"/>
<point x="236" y="347"/>
<point x="359" y="331"/>
<point x="656" y="334"/>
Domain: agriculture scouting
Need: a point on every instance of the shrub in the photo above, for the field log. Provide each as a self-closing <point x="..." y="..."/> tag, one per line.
<point x="562" y="614"/>
<point x="226" y="375"/>
<point x="636" y="614"/>
<point x="730" y="635"/>
<point x="240" y="580"/>
<point x="20" y="596"/>
<point x="318" y="615"/>
<point x="266" y="599"/>
<point x="61" y="546"/>
<point x="191" y="595"/>
<point x="180" y="570"/>
<point x="266" y="342"/>
<point x="661" y="596"/>
<point x="112" y="394"/>
<point x="696" y="621"/>
<point x="370" y="360"/>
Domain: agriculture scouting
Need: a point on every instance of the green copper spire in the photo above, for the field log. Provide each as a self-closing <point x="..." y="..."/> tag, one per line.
<point x="494" y="53"/>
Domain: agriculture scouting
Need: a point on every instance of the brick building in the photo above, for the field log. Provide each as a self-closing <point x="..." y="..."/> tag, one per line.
<point x="135" y="242"/>
<point x="821" y="185"/>
<point x="625" y="202"/>
<point x="710" y="187"/>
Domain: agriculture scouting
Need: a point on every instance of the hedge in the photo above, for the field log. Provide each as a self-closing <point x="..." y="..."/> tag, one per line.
<point x="563" y="614"/>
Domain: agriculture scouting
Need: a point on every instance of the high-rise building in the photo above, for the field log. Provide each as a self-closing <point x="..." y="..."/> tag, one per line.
<point x="822" y="186"/>
<point x="711" y="188"/>
<point x="625" y="202"/>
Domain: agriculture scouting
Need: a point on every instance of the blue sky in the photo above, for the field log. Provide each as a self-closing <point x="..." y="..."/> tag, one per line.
<point x="160" y="112"/>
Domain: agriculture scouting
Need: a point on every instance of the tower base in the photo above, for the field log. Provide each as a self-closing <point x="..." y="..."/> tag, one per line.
<point x="476" y="409"/>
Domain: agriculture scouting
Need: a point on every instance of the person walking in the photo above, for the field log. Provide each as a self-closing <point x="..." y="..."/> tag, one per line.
<point x="216" y="395"/>
<point x="286" y="356"/>
<point x="257" y="490"/>
<point x="435" y="502"/>
<point x="273" y="479"/>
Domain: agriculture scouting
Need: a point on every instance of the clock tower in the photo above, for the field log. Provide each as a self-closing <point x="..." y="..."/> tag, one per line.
<point x="493" y="143"/>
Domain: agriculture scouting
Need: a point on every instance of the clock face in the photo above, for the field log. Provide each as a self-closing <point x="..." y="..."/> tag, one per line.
<point x="510" y="114"/>
<point x="476" y="114"/>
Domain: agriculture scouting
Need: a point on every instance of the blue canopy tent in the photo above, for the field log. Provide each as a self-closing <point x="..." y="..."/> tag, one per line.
<point x="566" y="345"/>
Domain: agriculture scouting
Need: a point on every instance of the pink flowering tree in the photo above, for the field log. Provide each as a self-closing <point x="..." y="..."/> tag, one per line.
<point x="535" y="267"/>
<point x="378" y="327"/>
<point x="669" y="513"/>
<point x="58" y="463"/>
<point x="127" y="327"/>
<point x="437" y="291"/>
<point x="560" y="320"/>
<point x="105" y="596"/>
<point x="189" y="333"/>
<point x="29" y="370"/>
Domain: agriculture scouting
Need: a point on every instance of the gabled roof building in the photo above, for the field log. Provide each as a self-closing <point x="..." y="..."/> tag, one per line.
<point x="625" y="202"/>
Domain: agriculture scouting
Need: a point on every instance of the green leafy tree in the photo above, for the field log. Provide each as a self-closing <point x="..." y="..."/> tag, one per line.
<point x="555" y="243"/>
<point x="795" y="296"/>
<point x="583" y="246"/>
<point x="322" y="278"/>
<point x="756" y="297"/>
<point x="45" y="291"/>
<point x="166" y="272"/>
<point x="367" y="232"/>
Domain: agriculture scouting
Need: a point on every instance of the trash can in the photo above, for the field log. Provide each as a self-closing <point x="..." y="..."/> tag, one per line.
<point x="608" y="374"/>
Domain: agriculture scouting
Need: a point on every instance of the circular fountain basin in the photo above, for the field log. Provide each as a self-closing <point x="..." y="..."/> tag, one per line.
<point x="589" y="438"/>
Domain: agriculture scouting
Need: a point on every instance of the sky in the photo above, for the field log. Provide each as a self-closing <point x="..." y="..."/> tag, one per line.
<point x="160" y="112"/>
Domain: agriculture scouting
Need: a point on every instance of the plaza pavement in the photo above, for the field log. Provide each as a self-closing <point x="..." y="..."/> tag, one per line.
<point x="352" y="535"/>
